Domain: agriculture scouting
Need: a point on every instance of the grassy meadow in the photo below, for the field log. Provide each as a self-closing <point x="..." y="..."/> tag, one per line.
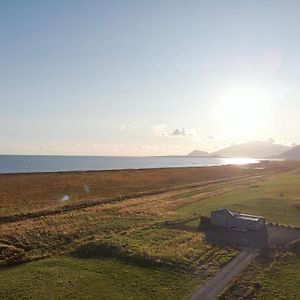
<point x="24" y="193"/>
<point x="275" y="278"/>
<point x="277" y="198"/>
<point x="74" y="278"/>
<point x="123" y="248"/>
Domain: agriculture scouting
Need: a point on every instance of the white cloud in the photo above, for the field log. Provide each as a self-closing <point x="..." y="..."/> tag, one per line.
<point x="160" y="130"/>
<point x="184" y="132"/>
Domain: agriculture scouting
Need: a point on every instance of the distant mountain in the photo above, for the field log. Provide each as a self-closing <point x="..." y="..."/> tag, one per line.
<point x="198" y="153"/>
<point x="293" y="153"/>
<point x="254" y="150"/>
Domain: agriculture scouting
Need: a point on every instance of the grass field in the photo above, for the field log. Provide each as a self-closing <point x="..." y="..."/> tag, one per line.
<point x="277" y="198"/>
<point x="21" y="193"/>
<point x="278" y="279"/>
<point x="71" y="278"/>
<point x="282" y="280"/>
<point x="104" y="243"/>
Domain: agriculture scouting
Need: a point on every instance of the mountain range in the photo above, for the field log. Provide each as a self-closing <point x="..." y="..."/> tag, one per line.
<point x="293" y="153"/>
<point x="257" y="149"/>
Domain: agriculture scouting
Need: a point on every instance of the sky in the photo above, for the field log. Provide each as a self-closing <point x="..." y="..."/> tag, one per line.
<point x="159" y="77"/>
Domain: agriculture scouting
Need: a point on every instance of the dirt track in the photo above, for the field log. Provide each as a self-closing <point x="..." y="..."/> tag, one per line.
<point x="217" y="284"/>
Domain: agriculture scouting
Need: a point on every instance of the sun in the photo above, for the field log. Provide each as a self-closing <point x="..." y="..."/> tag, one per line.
<point x="242" y="111"/>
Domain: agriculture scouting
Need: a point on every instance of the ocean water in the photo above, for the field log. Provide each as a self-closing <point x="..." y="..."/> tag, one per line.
<point x="43" y="163"/>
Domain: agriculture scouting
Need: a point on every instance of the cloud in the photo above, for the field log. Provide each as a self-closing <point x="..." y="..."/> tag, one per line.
<point x="123" y="127"/>
<point x="191" y="135"/>
<point x="160" y="130"/>
<point x="184" y="132"/>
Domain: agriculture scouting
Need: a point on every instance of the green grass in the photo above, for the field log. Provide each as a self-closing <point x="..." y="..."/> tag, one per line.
<point x="193" y="223"/>
<point x="282" y="280"/>
<point x="274" y="198"/>
<point x="73" y="278"/>
<point x="198" y="191"/>
<point x="162" y="246"/>
<point x="278" y="279"/>
<point x="142" y="234"/>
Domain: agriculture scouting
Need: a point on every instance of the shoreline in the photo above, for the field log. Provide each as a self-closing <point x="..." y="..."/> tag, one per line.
<point x="22" y="193"/>
<point x="127" y="170"/>
<point x="72" y="167"/>
<point x="27" y="192"/>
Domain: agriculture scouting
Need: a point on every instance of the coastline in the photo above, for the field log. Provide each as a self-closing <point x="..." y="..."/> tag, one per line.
<point x="22" y="193"/>
<point x="20" y="164"/>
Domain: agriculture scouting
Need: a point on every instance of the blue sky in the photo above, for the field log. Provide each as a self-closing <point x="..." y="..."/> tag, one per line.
<point x="147" y="77"/>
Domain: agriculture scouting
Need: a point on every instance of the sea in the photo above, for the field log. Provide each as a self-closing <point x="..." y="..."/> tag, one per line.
<point x="45" y="163"/>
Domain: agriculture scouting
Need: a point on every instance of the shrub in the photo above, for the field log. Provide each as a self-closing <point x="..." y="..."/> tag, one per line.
<point x="100" y="249"/>
<point x="10" y="255"/>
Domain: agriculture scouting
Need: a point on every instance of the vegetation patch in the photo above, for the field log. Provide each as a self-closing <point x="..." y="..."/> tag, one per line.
<point x="131" y="233"/>
<point x="26" y="193"/>
<point x="294" y="247"/>
<point x="275" y="276"/>
<point x="99" y="249"/>
<point x="265" y="200"/>
<point x="10" y="255"/>
<point x="74" y="278"/>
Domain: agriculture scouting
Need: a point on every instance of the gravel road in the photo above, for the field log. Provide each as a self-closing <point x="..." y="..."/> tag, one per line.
<point x="214" y="286"/>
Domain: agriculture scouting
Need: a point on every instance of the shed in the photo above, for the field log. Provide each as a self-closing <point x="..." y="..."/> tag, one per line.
<point x="236" y="220"/>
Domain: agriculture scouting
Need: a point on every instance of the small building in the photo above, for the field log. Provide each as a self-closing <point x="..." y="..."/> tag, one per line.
<point x="236" y="220"/>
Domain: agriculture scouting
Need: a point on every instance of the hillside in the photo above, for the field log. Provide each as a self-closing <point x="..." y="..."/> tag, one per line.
<point x="293" y="153"/>
<point x="198" y="153"/>
<point x="257" y="149"/>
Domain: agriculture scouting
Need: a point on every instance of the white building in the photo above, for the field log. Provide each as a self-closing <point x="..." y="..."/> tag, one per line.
<point x="236" y="220"/>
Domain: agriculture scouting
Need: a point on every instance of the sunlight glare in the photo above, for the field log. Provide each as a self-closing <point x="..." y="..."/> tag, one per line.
<point x="242" y="111"/>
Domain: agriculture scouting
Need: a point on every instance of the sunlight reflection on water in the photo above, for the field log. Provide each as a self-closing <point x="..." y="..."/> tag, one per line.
<point x="36" y="163"/>
<point x="240" y="161"/>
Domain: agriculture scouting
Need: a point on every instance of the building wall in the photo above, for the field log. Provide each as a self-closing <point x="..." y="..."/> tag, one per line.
<point x="222" y="218"/>
<point x="225" y="219"/>
<point x="254" y="225"/>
